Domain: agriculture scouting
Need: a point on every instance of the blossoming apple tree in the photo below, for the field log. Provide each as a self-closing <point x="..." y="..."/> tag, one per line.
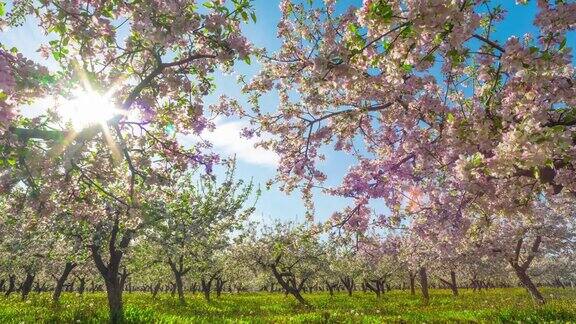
<point x="440" y="117"/>
<point x="137" y="73"/>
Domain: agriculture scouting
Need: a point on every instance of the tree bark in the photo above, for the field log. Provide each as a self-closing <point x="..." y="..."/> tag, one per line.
<point x="330" y="288"/>
<point x="114" y="294"/>
<point x="348" y="284"/>
<point x="219" y="286"/>
<point x="82" y="285"/>
<point x="521" y="269"/>
<point x="424" y="284"/>
<point x="453" y="281"/>
<point x="179" y="271"/>
<point x="206" y="287"/>
<point x="60" y="282"/>
<point x="155" y="290"/>
<point x="27" y="284"/>
<point x="11" y="285"/>
<point x="113" y="279"/>
<point x="291" y="287"/>
<point x="412" y="283"/>
<point x="377" y="288"/>
<point x="529" y="285"/>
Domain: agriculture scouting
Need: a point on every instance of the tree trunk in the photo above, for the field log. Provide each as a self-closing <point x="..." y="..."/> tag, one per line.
<point x="377" y="288"/>
<point x="330" y="289"/>
<point x="206" y="287"/>
<point x="82" y="285"/>
<point x="27" y="284"/>
<point x="453" y="281"/>
<point x="110" y="272"/>
<point x="521" y="269"/>
<point x="173" y="289"/>
<point x="348" y="284"/>
<point x="219" y="286"/>
<point x="179" y="271"/>
<point x="424" y="284"/>
<point x="179" y="287"/>
<point x="155" y="290"/>
<point x="412" y="283"/>
<point x="60" y="282"/>
<point x="11" y="285"/>
<point x="528" y="284"/>
<point x="114" y="294"/>
<point x="291" y="287"/>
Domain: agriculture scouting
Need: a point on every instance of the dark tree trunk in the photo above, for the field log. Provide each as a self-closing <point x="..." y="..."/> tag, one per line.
<point x="377" y="287"/>
<point x="114" y="294"/>
<point x="173" y="289"/>
<point x="206" y="287"/>
<point x="2" y="283"/>
<point x="82" y="285"/>
<point x="27" y="284"/>
<point x="454" y="286"/>
<point x="11" y="285"/>
<point x="424" y="284"/>
<point x="452" y="283"/>
<point x="155" y="290"/>
<point x="330" y="288"/>
<point x="219" y="286"/>
<point x="290" y="285"/>
<point x="348" y="283"/>
<point x="179" y="272"/>
<point x="60" y="282"/>
<point x="521" y="269"/>
<point x="529" y="285"/>
<point x="412" y="276"/>
<point x="113" y="279"/>
<point x="71" y="286"/>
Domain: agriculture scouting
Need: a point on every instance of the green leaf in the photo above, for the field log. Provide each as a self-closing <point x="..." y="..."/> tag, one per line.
<point x="407" y="31"/>
<point x="381" y="9"/>
<point x="476" y="160"/>
<point x="407" y="68"/>
<point x="562" y="44"/>
<point x="450" y="117"/>
<point x="2" y="8"/>
<point x="455" y="56"/>
<point x="253" y="16"/>
<point x="387" y="46"/>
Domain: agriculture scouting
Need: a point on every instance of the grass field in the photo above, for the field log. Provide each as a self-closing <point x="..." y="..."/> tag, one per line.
<point x="495" y="305"/>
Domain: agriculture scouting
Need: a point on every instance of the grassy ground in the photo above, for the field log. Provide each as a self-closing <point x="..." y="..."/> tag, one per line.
<point x="495" y="305"/>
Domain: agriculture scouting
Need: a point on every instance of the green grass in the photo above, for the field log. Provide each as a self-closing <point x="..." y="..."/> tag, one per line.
<point x="494" y="305"/>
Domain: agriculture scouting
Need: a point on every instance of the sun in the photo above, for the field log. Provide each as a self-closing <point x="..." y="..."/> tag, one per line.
<point x="87" y="108"/>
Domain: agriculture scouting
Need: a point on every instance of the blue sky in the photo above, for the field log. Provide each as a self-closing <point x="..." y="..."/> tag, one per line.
<point x="256" y="163"/>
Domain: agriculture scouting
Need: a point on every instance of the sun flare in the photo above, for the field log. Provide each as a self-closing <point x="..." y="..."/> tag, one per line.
<point x="87" y="108"/>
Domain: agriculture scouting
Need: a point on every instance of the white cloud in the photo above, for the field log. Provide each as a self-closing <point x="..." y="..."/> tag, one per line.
<point x="226" y="138"/>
